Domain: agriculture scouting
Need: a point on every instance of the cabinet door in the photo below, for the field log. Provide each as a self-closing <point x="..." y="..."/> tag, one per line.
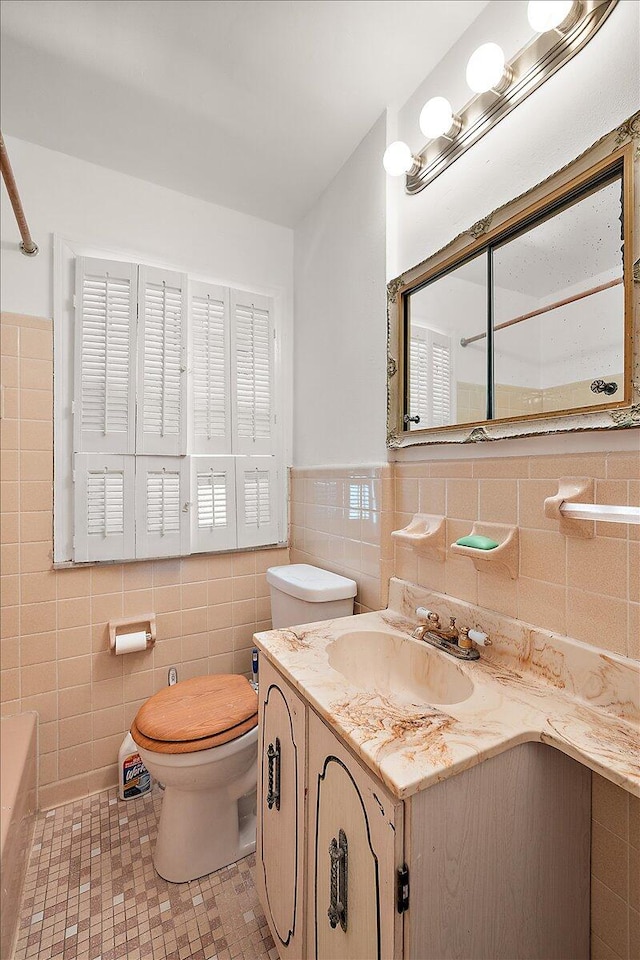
<point x="281" y="811"/>
<point x="355" y="848"/>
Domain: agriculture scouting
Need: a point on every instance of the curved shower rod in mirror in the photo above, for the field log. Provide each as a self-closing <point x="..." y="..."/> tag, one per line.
<point x="500" y="87"/>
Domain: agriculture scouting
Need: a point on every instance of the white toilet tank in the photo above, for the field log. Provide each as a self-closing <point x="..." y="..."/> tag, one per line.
<point x="301" y="593"/>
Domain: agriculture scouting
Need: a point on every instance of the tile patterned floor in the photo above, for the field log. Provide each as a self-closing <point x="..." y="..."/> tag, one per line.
<point x="91" y="893"/>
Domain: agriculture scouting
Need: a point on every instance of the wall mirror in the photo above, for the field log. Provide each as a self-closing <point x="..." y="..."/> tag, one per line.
<point x="524" y="324"/>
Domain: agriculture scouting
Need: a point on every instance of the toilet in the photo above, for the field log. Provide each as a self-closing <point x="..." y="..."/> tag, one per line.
<point x="199" y="738"/>
<point x="301" y="593"/>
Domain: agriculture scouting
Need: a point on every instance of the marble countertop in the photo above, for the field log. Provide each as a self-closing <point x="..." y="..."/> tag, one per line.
<point x="530" y="685"/>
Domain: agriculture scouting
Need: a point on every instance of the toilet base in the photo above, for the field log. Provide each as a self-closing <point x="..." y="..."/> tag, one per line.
<point x="197" y="835"/>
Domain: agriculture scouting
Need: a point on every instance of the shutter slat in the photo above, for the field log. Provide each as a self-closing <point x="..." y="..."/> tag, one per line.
<point x="256" y="486"/>
<point x="162" y="333"/>
<point x="103" y="507"/>
<point x="162" y="528"/>
<point x="105" y="337"/>
<point x="213" y="497"/>
<point x="253" y="373"/>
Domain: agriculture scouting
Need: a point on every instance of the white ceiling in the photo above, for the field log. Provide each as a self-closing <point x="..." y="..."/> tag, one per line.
<point x="253" y="104"/>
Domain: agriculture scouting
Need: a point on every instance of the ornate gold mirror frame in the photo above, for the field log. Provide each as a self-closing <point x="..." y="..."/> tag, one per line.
<point x="621" y="145"/>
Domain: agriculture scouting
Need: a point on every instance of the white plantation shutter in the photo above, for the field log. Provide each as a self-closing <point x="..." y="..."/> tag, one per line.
<point x="162" y="506"/>
<point x="104" y="343"/>
<point x="256" y="492"/>
<point x="430" y="378"/>
<point x="213" y="504"/>
<point x="419" y="379"/>
<point x="252" y="353"/>
<point x="103" y="498"/>
<point x="210" y="380"/>
<point x="161" y="362"/>
<point x="441" y="380"/>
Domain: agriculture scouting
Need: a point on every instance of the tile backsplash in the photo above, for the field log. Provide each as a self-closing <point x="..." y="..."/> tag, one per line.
<point x="54" y="654"/>
<point x="341" y="518"/>
<point x="586" y="589"/>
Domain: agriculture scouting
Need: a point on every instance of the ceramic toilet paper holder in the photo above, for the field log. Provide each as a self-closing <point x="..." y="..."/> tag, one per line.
<point x="126" y="625"/>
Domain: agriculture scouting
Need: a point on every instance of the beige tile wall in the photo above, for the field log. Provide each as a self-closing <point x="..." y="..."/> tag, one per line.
<point x="341" y="519"/>
<point x="54" y="657"/>
<point x="512" y="401"/>
<point x="587" y="589"/>
<point x="615" y="873"/>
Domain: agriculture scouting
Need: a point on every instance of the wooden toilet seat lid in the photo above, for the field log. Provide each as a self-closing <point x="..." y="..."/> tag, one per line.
<point x="196" y="714"/>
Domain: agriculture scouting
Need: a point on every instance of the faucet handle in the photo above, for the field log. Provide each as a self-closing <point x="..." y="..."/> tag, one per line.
<point x="469" y="636"/>
<point x="429" y="615"/>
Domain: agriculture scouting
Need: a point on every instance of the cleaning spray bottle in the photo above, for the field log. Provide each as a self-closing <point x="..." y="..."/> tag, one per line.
<point x="133" y="777"/>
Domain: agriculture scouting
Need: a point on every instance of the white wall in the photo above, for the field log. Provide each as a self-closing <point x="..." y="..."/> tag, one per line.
<point x="340" y="316"/>
<point x="340" y="326"/>
<point x="587" y="98"/>
<point x="114" y="213"/>
<point x="97" y="206"/>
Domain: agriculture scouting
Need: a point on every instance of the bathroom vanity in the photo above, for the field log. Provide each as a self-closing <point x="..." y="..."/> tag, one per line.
<point x="414" y="807"/>
<point x="492" y="863"/>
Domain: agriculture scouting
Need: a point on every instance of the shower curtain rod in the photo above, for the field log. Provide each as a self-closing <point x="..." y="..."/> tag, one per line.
<point x="27" y="245"/>
<point x="536" y="313"/>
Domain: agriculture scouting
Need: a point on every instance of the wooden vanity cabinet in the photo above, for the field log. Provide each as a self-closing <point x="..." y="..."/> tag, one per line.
<point x="496" y="857"/>
<point x="280" y="853"/>
<point x="355" y="832"/>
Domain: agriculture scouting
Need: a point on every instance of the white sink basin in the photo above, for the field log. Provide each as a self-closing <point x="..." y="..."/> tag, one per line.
<point x="398" y="667"/>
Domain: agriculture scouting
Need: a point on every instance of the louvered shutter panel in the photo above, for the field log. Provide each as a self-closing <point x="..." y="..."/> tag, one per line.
<point x="162" y="493"/>
<point x="253" y="387"/>
<point x="105" y="344"/>
<point x="213" y="504"/>
<point x="210" y="378"/>
<point x="257" y="501"/>
<point x="419" y="379"/>
<point x="441" y="380"/>
<point x="162" y="301"/>
<point x="104" y="507"/>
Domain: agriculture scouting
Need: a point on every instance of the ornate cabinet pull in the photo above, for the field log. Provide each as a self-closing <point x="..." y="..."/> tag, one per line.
<point x="273" y="766"/>
<point x="338" y="856"/>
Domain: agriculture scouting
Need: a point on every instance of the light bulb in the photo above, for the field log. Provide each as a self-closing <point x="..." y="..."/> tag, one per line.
<point x="486" y="69"/>
<point x="547" y="15"/>
<point x="397" y="158"/>
<point x="437" y="119"/>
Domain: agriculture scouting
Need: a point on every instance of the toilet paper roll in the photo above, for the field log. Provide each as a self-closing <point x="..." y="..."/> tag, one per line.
<point x="131" y="642"/>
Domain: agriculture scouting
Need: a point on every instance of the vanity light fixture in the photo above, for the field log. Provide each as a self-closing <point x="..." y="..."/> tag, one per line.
<point x="562" y="28"/>
<point x="437" y="119"/>
<point x="558" y="15"/>
<point x="487" y="69"/>
<point x="398" y="159"/>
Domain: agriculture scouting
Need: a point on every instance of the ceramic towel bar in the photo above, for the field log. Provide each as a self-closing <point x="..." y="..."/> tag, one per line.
<point x="600" y="511"/>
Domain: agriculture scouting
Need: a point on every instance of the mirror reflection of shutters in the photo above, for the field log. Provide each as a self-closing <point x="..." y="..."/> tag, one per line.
<point x="252" y="339"/>
<point x="430" y="378"/>
<point x="161" y="362"/>
<point x="441" y="380"/>
<point x="419" y="379"/>
<point x="104" y="496"/>
<point x="256" y="486"/>
<point x="210" y="347"/>
<point x="213" y="498"/>
<point x="105" y="335"/>
<point x="161" y="495"/>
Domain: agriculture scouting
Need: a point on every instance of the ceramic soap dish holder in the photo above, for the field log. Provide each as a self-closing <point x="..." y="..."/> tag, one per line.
<point x="425" y="535"/>
<point x="503" y="558"/>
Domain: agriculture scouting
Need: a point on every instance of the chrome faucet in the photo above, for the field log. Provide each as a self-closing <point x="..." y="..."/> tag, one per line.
<point x="457" y="642"/>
